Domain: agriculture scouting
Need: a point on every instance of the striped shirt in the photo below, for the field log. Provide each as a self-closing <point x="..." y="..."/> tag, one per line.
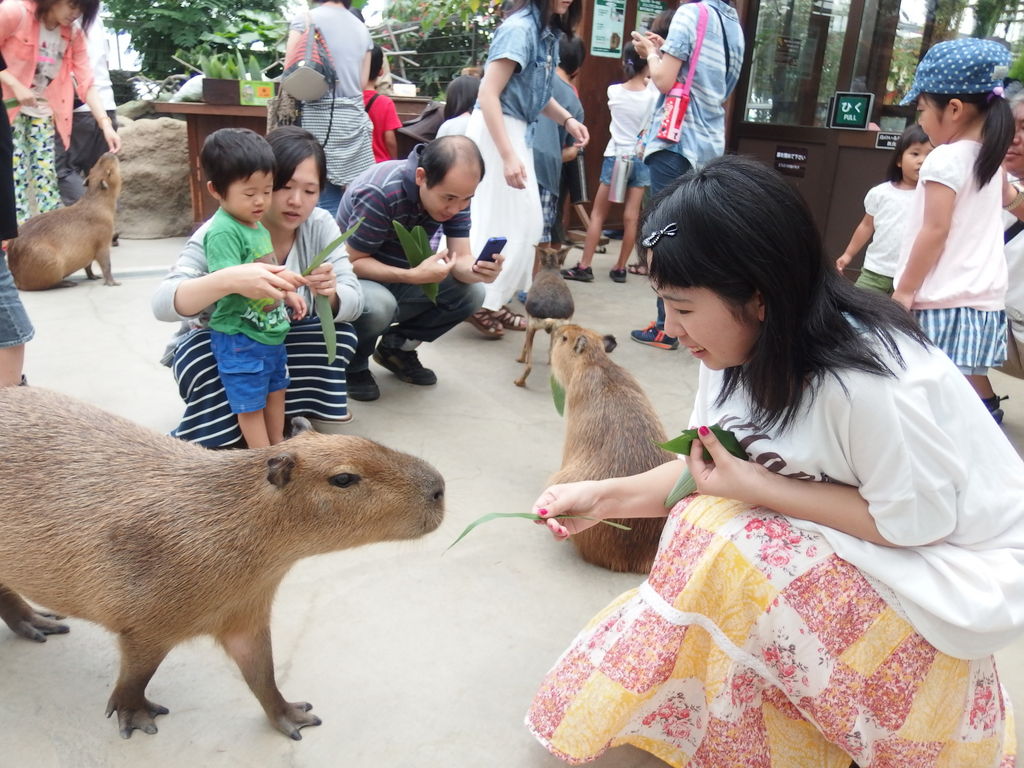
<point x="385" y="193"/>
<point x="703" y="136"/>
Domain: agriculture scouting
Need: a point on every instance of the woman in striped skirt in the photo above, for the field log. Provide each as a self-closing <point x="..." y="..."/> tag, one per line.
<point x="299" y="231"/>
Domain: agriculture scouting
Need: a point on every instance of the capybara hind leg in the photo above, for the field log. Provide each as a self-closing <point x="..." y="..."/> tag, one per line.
<point x="252" y="652"/>
<point x="134" y="711"/>
<point x="88" y="272"/>
<point x="103" y="259"/>
<point x="25" y="621"/>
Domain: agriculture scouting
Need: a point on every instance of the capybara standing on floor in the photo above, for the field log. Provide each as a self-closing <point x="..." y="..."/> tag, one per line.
<point x="160" y="540"/>
<point x="549" y="303"/>
<point x="611" y="430"/>
<point x="55" y="244"/>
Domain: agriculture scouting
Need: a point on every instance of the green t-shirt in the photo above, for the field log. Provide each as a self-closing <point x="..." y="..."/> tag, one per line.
<point x="229" y="242"/>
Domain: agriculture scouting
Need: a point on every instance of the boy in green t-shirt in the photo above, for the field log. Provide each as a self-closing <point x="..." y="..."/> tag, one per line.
<point x="246" y="335"/>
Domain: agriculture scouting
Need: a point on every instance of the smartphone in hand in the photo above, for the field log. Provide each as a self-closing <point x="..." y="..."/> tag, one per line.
<point x="492" y="247"/>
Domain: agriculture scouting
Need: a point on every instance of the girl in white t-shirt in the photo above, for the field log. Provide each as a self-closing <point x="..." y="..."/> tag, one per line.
<point x="952" y="270"/>
<point x="838" y="592"/>
<point x="885" y="213"/>
<point x="631" y="104"/>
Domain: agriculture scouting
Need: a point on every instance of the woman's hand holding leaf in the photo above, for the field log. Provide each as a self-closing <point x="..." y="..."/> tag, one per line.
<point x="259" y="280"/>
<point x="579" y="500"/>
<point x="723" y="474"/>
<point x="322" y="281"/>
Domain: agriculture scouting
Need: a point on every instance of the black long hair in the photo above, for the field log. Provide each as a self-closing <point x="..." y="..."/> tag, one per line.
<point x="460" y="96"/>
<point x="566" y="23"/>
<point x="292" y="145"/>
<point x="996" y="131"/>
<point x="742" y="231"/>
<point x="633" y="63"/>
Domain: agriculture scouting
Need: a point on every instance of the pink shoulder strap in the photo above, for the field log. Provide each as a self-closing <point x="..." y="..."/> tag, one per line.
<point x="702" y="25"/>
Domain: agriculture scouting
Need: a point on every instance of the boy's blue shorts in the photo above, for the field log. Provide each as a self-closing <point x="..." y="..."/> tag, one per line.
<point x="248" y="369"/>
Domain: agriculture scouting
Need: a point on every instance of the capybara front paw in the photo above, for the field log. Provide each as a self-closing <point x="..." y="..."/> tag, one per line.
<point x="131" y="718"/>
<point x="295" y="716"/>
<point x="111" y="281"/>
<point x="37" y="625"/>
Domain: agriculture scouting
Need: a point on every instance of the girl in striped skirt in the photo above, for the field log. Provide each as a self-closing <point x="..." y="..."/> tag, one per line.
<point x="299" y="231"/>
<point x="952" y="270"/>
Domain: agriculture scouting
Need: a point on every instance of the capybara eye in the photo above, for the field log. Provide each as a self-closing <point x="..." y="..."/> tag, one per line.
<point x="345" y="479"/>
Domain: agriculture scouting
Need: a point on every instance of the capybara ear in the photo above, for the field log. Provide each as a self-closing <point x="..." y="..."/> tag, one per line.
<point x="580" y="345"/>
<point x="300" y="424"/>
<point x="279" y="469"/>
<point x="609" y="342"/>
<point x="103" y="184"/>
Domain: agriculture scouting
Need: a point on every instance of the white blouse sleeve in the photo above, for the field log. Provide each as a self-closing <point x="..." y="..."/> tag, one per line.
<point x="908" y="467"/>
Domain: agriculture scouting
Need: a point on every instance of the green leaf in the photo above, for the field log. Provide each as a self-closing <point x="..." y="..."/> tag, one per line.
<point x="10" y="103"/>
<point x="323" y="311"/>
<point x="416" y="247"/>
<point x="527" y="516"/>
<point x="681" y="444"/>
<point x="329" y="248"/>
<point x="558" y="393"/>
<point x="684" y="486"/>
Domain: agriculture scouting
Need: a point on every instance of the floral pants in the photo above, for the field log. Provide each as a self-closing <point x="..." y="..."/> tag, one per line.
<point x="752" y="644"/>
<point x="35" y="166"/>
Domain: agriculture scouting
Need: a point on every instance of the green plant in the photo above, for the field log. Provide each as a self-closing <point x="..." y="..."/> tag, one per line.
<point x="416" y="246"/>
<point x="229" y="66"/>
<point x="159" y="28"/>
<point x="686" y="485"/>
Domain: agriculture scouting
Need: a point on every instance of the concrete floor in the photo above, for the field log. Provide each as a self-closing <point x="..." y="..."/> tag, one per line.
<point x="411" y="656"/>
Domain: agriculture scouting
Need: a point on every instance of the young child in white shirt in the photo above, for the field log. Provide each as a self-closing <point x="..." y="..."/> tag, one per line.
<point x="885" y="213"/>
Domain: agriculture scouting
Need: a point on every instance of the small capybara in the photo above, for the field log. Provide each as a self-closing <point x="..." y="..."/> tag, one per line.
<point x="549" y="303"/>
<point x="611" y="430"/>
<point x="55" y="244"/>
<point x="159" y="540"/>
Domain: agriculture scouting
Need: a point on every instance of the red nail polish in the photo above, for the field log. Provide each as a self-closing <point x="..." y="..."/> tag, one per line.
<point x="542" y="512"/>
<point x="703" y="431"/>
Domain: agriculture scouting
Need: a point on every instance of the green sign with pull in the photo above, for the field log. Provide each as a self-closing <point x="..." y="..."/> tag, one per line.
<point x="851" y="110"/>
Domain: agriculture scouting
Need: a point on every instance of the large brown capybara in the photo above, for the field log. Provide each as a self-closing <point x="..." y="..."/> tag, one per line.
<point x="55" y="244"/>
<point x="611" y="430"/>
<point x="160" y="540"/>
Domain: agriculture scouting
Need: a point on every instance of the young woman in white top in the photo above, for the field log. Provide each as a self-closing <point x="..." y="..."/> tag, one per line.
<point x="952" y="270"/>
<point x="886" y="207"/>
<point x="836" y="593"/>
<point x="630" y="104"/>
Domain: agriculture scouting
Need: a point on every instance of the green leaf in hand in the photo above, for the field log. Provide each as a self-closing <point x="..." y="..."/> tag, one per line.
<point x="322" y="303"/>
<point x="686" y="485"/>
<point x="416" y="246"/>
<point x="558" y="393"/>
<point x="528" y="516"/>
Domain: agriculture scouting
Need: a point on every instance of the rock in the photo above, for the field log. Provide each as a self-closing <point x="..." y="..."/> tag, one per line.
<point x="155" y="198"/>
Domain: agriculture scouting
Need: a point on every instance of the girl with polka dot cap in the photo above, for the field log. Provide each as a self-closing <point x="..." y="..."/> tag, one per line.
<point x="952" y="272"/>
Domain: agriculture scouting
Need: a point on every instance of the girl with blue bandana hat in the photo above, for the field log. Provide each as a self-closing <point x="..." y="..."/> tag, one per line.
<point x="952" y="272"/>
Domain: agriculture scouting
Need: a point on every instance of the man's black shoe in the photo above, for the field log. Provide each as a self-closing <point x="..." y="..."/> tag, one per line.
<point x="405" y="365"/>
<point x="362" y="386"/>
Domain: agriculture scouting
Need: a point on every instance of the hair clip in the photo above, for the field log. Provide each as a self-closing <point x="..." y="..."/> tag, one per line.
<point x="997" y="93"/>
<point x="669" y="230"/>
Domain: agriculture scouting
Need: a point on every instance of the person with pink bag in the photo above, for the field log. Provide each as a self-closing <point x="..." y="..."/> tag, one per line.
<point x="708" y="38"/>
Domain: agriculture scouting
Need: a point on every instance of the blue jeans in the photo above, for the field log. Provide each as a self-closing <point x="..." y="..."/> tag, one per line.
<point x="15" y="327"/>
<point x="665" y="167"/>
<point x="404" y="312"/>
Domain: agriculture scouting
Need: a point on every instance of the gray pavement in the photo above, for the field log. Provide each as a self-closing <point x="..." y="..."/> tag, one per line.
<point x="410" y="656"/>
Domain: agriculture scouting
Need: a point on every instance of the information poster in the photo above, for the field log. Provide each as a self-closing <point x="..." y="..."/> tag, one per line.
<point x="606" y="39"/>
<point x="646" y="11"/>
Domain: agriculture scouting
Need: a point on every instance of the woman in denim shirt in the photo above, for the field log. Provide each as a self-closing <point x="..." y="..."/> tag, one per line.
<point x="516" y="89"/>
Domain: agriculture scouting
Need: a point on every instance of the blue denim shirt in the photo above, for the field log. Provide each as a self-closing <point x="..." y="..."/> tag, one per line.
<point x="521" y="39"/>
<point x="703" y="136"/>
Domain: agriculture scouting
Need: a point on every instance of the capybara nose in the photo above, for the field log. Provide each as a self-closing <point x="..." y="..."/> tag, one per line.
<point x="438" y="495"/>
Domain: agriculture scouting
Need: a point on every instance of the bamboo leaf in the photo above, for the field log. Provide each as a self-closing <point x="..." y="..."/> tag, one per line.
<point x="526" y="516"/>
<point x="326" y="315"/>
<point x="10" y="103"/>
<point x="558" y="393"/>
<point x="681" y="444"/>
<point x="430" y="289"/>
<point x="409" y="244"/>
<point x="422" y="241"/>
<point x="684" y="486"/>
<point x="329" y="248"/>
